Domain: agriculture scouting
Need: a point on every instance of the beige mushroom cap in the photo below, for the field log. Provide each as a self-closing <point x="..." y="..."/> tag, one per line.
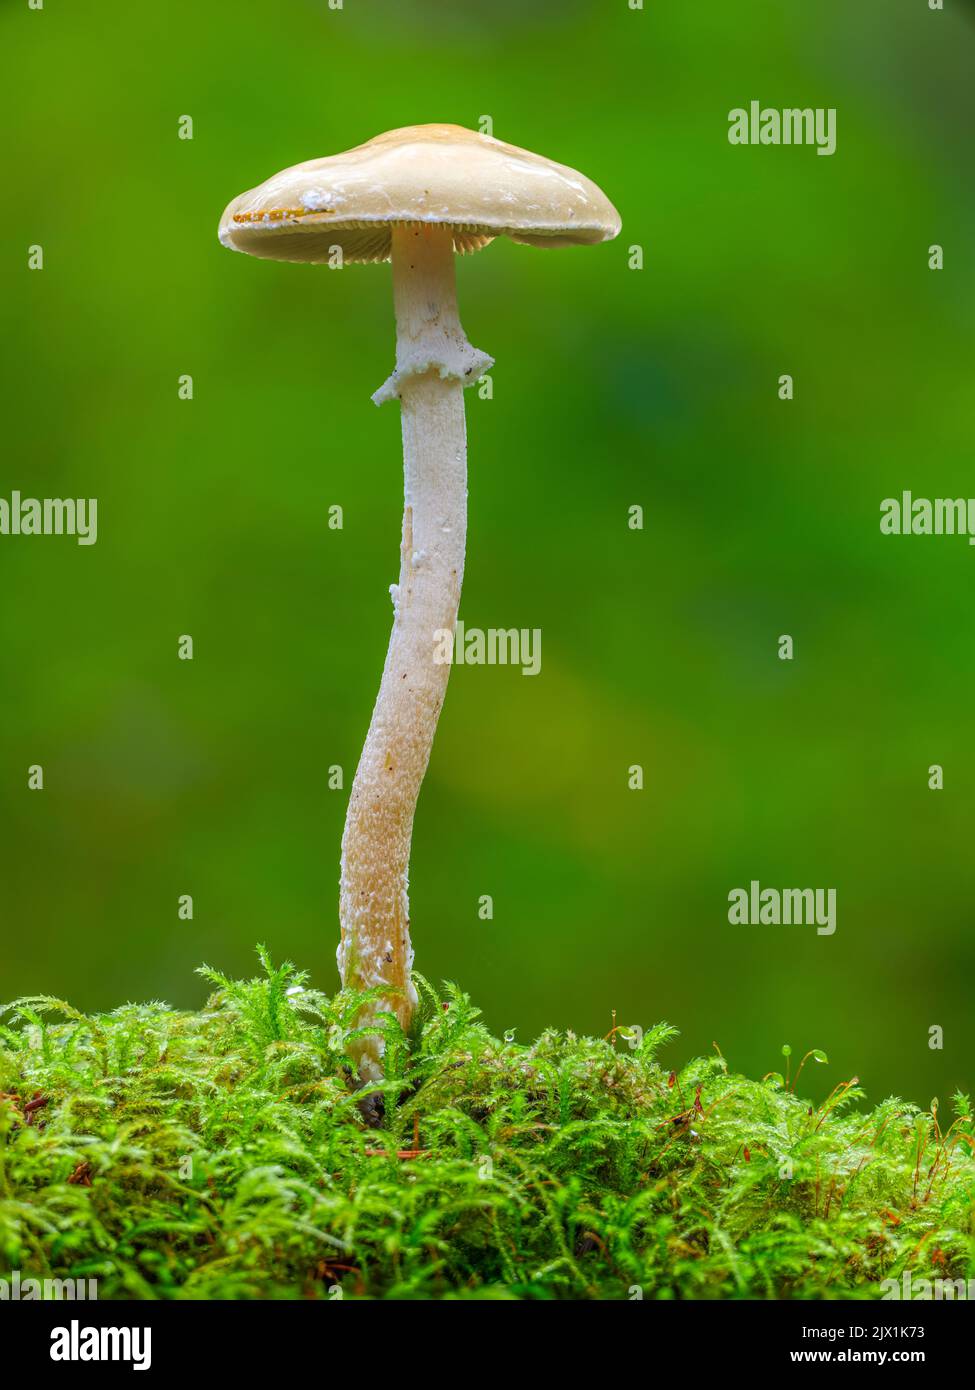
<point x="443" y="175"/>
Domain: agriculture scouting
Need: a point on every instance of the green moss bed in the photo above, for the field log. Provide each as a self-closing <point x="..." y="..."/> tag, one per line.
<point x="228" y="1154"/>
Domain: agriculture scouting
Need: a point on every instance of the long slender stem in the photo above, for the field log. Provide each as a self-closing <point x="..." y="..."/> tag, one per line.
<point x="434" y="362"/>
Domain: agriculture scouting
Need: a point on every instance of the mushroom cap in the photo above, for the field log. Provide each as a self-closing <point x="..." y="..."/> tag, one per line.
<point x="442" y="175"/>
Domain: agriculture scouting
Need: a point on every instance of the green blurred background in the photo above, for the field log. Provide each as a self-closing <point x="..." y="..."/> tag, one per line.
<point x="613" y="387"/>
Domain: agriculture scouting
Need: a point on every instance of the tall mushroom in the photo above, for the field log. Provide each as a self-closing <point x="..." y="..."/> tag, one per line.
<point x="416" y="196"/>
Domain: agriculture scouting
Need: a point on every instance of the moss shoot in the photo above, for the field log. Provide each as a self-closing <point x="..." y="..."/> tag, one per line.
<point x="228" y="1154"/>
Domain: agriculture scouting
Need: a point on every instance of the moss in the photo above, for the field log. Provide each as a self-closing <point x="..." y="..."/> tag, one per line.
<point x="227" y="1154"/>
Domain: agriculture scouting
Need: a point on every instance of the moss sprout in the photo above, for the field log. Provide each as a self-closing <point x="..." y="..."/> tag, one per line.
<point x="230" y="1154"/>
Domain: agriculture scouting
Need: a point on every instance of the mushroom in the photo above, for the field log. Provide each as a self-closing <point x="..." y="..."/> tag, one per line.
<point x="416" y="196"/>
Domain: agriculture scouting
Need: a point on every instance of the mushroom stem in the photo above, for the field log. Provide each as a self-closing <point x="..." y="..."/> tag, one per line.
<point x="434" y="362"/>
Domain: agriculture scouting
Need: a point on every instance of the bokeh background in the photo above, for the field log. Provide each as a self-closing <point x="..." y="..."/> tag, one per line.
<point x="613" y="387"/>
